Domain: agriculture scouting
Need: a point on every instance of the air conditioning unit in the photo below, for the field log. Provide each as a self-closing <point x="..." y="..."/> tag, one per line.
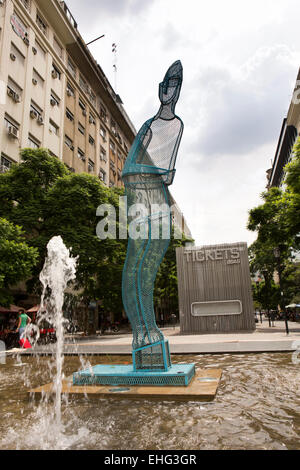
<point x="10" y="92"/>
<point x="83" y="159"/>
<point x="34" y="50"/>
<point x="17" y="98"/>
<point x="33" y="114"/>
<point x="26" y="41"/>
<point x="72" y="148"/>
<point x="91" y="120"/>
<point x="13" y="132"/>
<point x="84" y="112"/>
<point x="12" y="56"/>
<point x="52" y="102"/>
<point x="69" y="93"/>
<point x="34" y="81"/>
<point x="54" y="74"/>
<point x="40" y="120"/>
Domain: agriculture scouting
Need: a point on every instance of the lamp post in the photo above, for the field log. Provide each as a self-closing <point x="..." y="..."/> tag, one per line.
<point x="277" y="255"/>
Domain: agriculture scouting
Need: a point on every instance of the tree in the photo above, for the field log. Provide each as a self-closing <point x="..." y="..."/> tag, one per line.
<point x="16" y="259"/>
<point x="277" y="223"/>
<point x="166" y="283"/>
<point x="48" y="200"/>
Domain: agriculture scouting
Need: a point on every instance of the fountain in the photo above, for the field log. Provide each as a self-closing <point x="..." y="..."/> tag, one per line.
<point x="59" y="269"/>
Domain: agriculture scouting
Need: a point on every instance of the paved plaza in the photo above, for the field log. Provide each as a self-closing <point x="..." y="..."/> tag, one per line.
<point x="263" y="339"/>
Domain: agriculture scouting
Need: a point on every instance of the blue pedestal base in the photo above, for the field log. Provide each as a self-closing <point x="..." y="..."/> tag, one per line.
<point x="176" y="375"/>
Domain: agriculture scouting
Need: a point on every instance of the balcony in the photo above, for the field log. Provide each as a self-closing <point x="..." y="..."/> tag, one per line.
<point x="68" y="14"/>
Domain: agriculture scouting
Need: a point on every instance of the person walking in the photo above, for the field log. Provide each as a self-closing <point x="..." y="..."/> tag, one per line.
<point x="24" y="320"/>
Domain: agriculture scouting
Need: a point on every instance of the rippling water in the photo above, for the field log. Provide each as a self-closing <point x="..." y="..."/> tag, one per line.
<point x="257" y="407"/>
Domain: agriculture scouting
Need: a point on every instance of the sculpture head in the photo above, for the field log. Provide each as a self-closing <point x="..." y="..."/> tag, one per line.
<point x="169" y="88"/>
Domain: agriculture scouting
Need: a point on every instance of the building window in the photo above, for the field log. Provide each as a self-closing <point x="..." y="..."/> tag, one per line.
<point x="103" y="133"/>
<point x="26" y="4"/>
<point x="55" y="72"/>
<point x="54" y="100"/>
<point x="80" y="154"/>
<point x="69" y="115"/>
<point x="53" y="128"/>
<point x="37" y="79"/>
<point x="41" y="23"/>
<point x="91" y="140"/>
<point x="112" y="146"/>
<point x="82" y="106"/>
<point x="91" y="166"/>
<point x="125" y="147"/>
<point x="9" y="122"/>
<point x="13" y="90"/>
<point x="35" y="111"/>
<point x="69" y="143"/>
<point x="71" y="68"/>
<point x="113" y="127"/>
<point x="92" y="119"/>
<point x="102" y="175"/>
<point x="93" y="97"/>
<point x="16" y="55"/>
<point x="70" y="90"/>
<point x="83" y="84"/>
<point x="40" y="50"/>
<point x="103" y="114"/>
<point x="32" y="142"/>
<point x="103" y="154"/>
<point x="57" y="47"/>
<point x="81" y="128"/>
<point x="6" y="163"/>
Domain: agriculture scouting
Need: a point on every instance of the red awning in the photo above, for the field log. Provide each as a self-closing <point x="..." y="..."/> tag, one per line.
<point x="10" y="309"/>
<point x="34" y="309"/>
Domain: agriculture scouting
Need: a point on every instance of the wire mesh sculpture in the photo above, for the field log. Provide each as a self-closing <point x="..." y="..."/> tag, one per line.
<point x="148" y="171"/>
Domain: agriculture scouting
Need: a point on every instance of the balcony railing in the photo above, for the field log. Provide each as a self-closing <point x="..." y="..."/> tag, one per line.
<point x="68" y="14"/>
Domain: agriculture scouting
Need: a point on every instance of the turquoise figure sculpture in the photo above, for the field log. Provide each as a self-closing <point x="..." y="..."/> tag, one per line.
<point x="148" y="171"/>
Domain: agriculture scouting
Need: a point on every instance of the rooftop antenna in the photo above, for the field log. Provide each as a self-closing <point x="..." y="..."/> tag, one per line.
<point x="114" y="51"/>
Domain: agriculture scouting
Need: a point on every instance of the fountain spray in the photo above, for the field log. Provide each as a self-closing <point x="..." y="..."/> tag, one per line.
<point x="59" y="268"/>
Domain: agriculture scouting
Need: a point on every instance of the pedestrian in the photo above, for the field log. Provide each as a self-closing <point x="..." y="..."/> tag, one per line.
<point x="24" y="320"/>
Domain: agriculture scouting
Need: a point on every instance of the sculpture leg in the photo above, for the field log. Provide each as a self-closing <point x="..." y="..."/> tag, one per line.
<point x="144" y="255"/>
<point x="156" y="355"/>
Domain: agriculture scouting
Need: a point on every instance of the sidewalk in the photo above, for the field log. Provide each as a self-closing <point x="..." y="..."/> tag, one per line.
<point x="263" y="339"/>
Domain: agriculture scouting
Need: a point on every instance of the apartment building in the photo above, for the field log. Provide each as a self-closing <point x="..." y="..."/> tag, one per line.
<point x="290" y="131"/>
<point x="53" y="94"/>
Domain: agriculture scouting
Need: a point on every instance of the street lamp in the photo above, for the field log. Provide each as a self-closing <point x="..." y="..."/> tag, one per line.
<point x="277" y="255"/>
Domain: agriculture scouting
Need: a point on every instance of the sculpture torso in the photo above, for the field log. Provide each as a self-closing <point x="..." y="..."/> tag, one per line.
<point x="155" y="149"/>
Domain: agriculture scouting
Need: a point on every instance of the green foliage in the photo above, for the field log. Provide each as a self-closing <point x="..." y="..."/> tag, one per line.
<point x="266" y="294"/>
<point x="277" y="223"/>
<point x="16" y="258"/>
<point x="166" y="285"/>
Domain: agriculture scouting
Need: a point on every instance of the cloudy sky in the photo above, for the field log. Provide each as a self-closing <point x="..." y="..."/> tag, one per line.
<point x="240" y="62"/>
